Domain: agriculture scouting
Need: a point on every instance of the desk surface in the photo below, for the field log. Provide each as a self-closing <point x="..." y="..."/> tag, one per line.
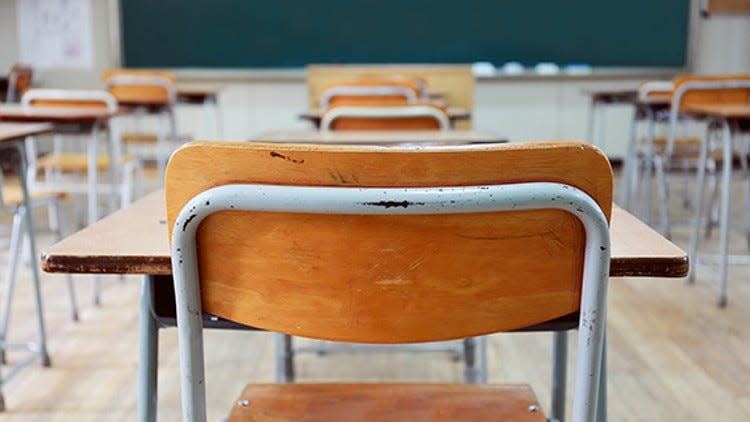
<point x="19" y="113"/>
<point x="196" y="94"/>
<point x="723" y="111"/>
<point x="13" y="131"/>
<point x="625" y="96"/>
<point x="612" y="96"/>
<point x="370" y="137"/>
<point x="134" y="241"/>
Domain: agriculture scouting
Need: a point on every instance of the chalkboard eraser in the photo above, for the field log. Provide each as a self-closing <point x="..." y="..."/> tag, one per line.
<point x="479" y="69"/>
<point x="547" y="68"/>
<point x="577" y="69"/>
<point x="512" y="68"/>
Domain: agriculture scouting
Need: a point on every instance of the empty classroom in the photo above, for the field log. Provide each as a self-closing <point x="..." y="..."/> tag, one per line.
<point x="390" y="211"/>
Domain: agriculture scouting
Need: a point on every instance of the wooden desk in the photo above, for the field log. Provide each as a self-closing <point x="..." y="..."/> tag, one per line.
<point x="55" y="115"/>
<point x="374" y="137"/>
<point x="134" y="241"/>
<point x="730" y="119"/>
<point x="12" y="136"/>
<point x="68" y="120"/>
<point x="455" y="114"/>
<point x="10" y="132"/>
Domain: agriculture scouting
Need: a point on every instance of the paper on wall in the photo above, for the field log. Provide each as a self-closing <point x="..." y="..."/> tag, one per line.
<point x="55" y="33"/>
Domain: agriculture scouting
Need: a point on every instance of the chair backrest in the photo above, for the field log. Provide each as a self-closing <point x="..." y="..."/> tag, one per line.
<point x="69" y="98"/>
<point x="710" y="89"/>
<point x="648" y="91"/>
<point x="454" y="83"/>
<point x="388" y="245"/>
<point x="19" y="80"/>
<point x="705" y="89"/>
<point x="406" y="117"/>
<point x="141" y="87"/>
<point x="369" y="92"/>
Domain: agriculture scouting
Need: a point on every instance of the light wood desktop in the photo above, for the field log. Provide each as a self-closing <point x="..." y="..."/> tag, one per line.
<point x="372" y="137"/>
<point x="134" y="241"/>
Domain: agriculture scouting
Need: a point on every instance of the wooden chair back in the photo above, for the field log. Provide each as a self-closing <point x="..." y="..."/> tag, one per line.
<point x="394" y="117"/>
<point x="389" y="279"/>
<point x="455" y="83"/>
<point x="19" y="80"/>
<point x="141" y="87"/>
<point x="69" y="98"/>
<point x="369" y="92"/>
<point x="655" y="90"/>
<point x="719" y="95"/>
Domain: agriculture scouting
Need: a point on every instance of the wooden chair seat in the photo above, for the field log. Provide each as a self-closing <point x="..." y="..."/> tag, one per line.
<point x="13" y="195"/>
<point x="684" y="149"/>
<point x="69" y="163"/>
<point x="386" y="402"/>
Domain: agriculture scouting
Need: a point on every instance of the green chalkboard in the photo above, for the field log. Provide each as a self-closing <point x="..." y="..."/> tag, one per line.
<point x="293" y="33"/>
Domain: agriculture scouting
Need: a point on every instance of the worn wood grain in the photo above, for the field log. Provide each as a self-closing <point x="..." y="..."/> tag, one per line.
<point x="379" y="278"/>
<point x="386" y="402"/>
<point x="417" y="137"/>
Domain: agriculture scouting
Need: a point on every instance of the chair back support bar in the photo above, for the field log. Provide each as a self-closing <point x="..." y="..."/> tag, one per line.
<point x="367" y="95"/>
<point x="651" y="89"/>
<point x="69" y="98"/>
<point x="139" y="87"/>
<point x="385" y="262"/>
<point x="410" y="117"/>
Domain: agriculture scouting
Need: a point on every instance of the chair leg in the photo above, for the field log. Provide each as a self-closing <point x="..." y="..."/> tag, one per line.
<point x="284" y="358"/>
<point x="746" y="187"/>
<point x="68" y="278"/>
<point x="712" y="219"/>
<point x="13" y="254"/>
<point x="559" y="374"/>
<point x="698" y="205"/>
<point x="470" y="367"/>
<point x="663" y="197"/>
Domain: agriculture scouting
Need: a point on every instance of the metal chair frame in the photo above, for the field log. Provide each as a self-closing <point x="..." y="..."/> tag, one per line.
<point x="388" y="112"/>
<point x="366" y="91"/>
<point x="521" y="196"/>
<point x="723" y="259"/>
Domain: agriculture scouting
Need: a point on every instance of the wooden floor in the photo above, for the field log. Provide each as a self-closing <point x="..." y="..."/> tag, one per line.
<point x="673" y="354"/>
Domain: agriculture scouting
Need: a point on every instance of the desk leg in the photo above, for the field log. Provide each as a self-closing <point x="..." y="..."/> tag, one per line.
<point x="590" y="126"/>
<point x="32" y="250"/>
<point x="284" y="358"/>
<point x="211" y="104"/>
<point x="559" y="374"/>
<point x="149" y="352"/>
<point x="725" y="196"/>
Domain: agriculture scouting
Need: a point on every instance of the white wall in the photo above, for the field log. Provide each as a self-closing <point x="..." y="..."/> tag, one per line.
<point x="520" y="109"/>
